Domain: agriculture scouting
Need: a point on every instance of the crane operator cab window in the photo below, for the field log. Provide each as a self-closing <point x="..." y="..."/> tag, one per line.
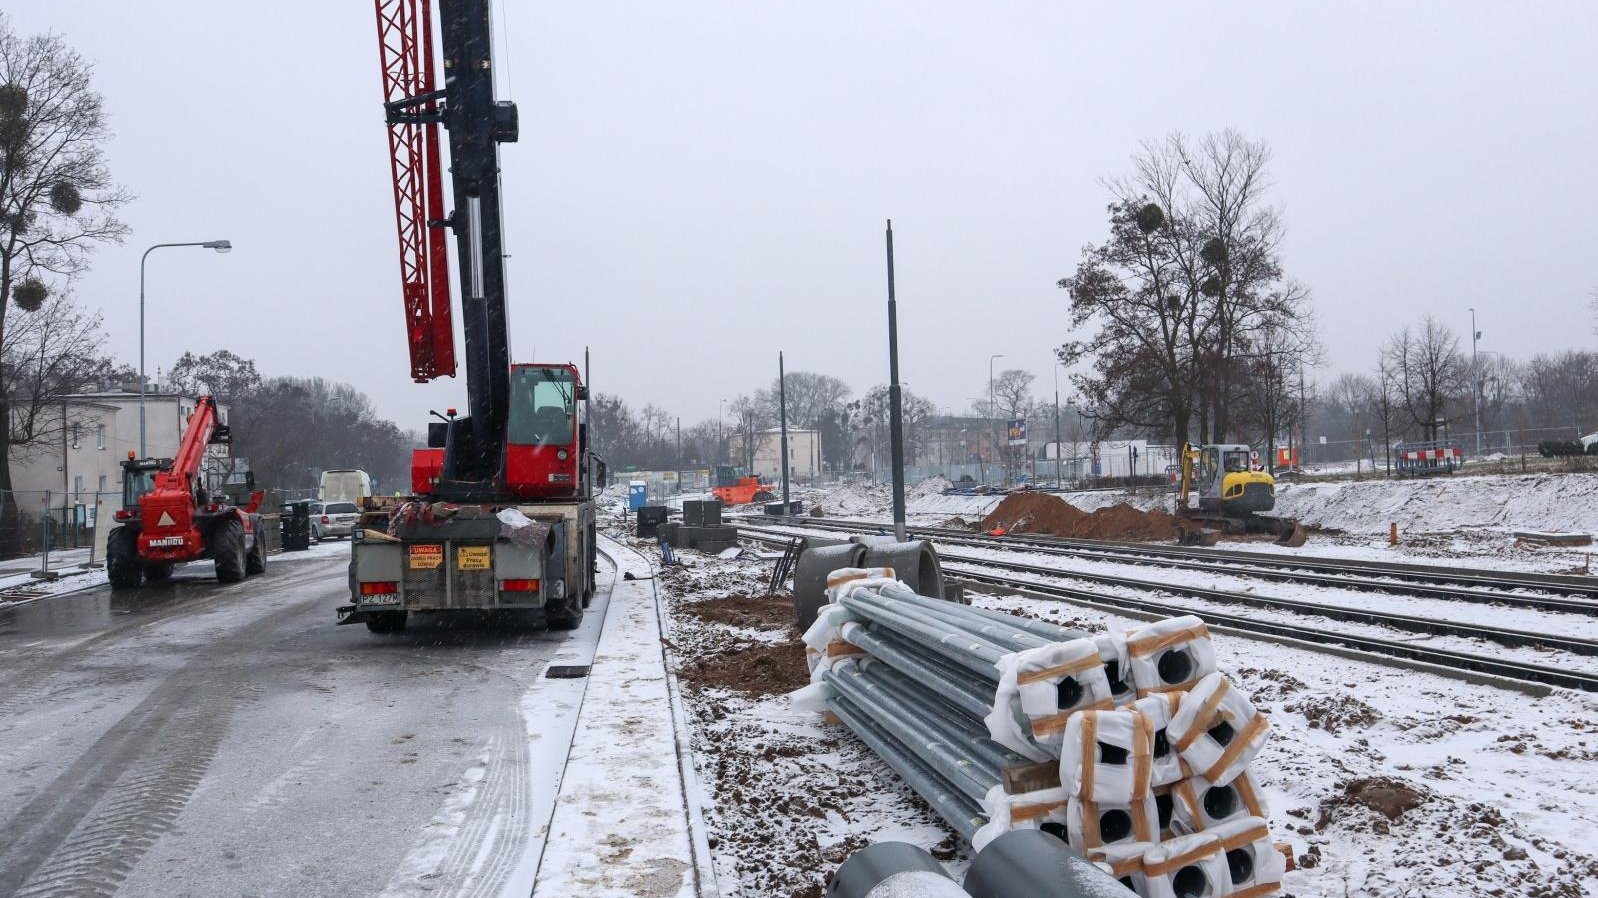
<point x="543" y="407"/>
<point x="135" y="483"/>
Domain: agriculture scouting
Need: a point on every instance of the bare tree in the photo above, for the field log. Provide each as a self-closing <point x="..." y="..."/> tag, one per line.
<point x="1430" y="372"/>
<point x="752" y="415"/>
<point x="1172" y="303"/>
<point x="57" y="200"/>
<point x="810" y="397"/>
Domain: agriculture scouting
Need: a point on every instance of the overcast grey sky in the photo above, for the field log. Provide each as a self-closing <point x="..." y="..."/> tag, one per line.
<point x="700" y="184"/>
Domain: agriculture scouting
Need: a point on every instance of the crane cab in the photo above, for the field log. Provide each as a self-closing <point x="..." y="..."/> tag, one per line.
<point x="543" y="435"/>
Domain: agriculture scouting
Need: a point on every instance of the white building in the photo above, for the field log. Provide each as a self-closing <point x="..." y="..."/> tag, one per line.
<point x="804" y="453"/>
<point x="83" y="460"/>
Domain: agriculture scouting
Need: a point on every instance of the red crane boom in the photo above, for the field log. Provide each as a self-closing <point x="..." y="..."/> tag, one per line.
<point x="405" y="41"/>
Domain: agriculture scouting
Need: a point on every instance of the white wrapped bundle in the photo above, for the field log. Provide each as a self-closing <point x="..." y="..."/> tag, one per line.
<point x="1253" y="865"/>
<point x="1090" y="824"/>
<point x="1217" y="730"/>
<point x="1199" y="805"/>
<point x="1123" y="860"/>
<point x="1107" y="756"/>
<point x="1169" y="655"/>
<point x="1117" y="669"/>
<point x="1038" y="691"/>
<point x="1022" y="810"/>
<point x="1167" y="762"/>
<point x="1185" y="865"/>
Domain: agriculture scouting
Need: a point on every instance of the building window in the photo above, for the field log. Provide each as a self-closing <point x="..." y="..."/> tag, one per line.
<point x="77" y="433"/>
<point x="102" y="488"/>
<point x="77" y="484"/>
<point x="99" y="437"/>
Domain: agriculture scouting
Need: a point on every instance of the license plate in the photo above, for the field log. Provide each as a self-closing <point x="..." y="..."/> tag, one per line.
<point x="389" y="599"/>
<point x="167" y="541"/>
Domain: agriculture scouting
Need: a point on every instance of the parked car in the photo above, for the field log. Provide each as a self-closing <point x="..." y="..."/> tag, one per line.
<point x="333" y="519"/>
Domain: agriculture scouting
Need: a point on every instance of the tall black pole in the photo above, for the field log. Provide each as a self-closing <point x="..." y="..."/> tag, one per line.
<point x="895" y="413"/>
<point x="782" y="411"/>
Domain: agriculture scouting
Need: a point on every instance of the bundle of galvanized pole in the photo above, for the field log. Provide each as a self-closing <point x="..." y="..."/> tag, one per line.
<point x="1129" y="746"/>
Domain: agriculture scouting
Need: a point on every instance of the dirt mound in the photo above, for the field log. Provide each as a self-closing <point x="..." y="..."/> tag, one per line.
<point x="1046" y="513"/>
<point x="1389" y="797"/>
<point x="755" y="669"/>
<point x="1334" y="713"/>
<point x="758" y="612"/>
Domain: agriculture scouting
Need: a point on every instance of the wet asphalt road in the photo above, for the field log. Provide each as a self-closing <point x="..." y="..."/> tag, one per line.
<point x="198" y="739"/>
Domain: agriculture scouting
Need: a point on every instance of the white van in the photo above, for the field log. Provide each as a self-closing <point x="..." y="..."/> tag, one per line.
<point x="346" y="485"/>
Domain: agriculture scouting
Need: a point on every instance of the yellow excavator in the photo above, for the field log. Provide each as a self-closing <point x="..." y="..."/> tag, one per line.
<point x="1233" y="497"/>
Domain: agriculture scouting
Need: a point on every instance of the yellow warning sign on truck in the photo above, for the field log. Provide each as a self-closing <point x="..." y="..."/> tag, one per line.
<point x="473" y="558"/>
<point x="426" y="556"/>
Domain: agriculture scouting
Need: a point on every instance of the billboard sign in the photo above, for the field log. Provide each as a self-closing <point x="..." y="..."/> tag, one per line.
<point x="1018" y="432"/>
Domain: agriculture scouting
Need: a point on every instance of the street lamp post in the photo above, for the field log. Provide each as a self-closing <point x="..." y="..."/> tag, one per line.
<point x="1475" y="377"/>
<point x="721" y="436"/>
<point x="991" y="420"/>
<point x="1059" y="447"/>
<point x="220" y="246"/>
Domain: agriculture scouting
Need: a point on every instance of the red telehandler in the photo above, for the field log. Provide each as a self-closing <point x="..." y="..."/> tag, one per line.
<point x="168" y="517"/>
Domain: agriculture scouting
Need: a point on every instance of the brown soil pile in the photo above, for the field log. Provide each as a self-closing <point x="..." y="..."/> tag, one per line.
<point x="1389" y="797"/>
<point x="757" y="612"/>
<point x="1334" y="713"/>
<point x="1046" y="513"/>
<point x="755" y="669"/>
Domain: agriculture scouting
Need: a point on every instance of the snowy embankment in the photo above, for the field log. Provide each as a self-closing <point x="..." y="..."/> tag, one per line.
<point x="1542" y="502"/>
<point x="1507" y="502"/>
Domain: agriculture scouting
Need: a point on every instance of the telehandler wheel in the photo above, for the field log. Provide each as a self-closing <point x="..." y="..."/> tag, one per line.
<point x="386" y="621"/>
<point x="155" y="573"/>
<point x="255" y="561"/>
<point x="227" y="547"/>
<point x="122" y="565"/>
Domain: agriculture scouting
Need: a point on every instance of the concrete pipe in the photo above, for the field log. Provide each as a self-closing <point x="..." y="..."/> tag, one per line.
<point x="810" y="577"/>
<point x="914" y="563"/>
<point x="1030" y="863"/>
<point x="892" y="870"/>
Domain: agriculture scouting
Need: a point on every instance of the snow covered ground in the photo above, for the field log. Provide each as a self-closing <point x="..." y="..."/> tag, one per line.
<point x="1442" y="520"/>
<point x="1386" y="782"/>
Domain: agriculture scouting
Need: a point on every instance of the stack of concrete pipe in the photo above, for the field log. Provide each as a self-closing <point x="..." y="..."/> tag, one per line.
<point x="1129" y="747"/>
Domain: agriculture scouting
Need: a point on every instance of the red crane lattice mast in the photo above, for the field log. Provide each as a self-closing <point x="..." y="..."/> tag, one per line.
<point x="405" y="40"/>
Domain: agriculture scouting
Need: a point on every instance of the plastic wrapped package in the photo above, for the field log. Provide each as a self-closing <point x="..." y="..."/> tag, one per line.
<point x="1123" y="860"/>
<point x="1184" y="866"/>
<point x="1253" y="865"/>
<point x="1217" y="730"/>
<point x="1169" y="655"/>
<point x="1037" y="809"/>
<point x="1112" y="651"/>
<point x="1199" y="805"/>
<point x="1168" y="766"/>
<point x="1107" y="756"/>
<point x="1090" y="824"/>
<point x="1038" y="691"/>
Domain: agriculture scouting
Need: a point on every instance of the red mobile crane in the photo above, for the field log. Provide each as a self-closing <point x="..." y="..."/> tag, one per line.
<point x="503" y="519"/>
<point x="168" y="517"/>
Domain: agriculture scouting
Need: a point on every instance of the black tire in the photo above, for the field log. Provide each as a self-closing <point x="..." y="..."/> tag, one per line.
<point x="255" y="560"/>
<point x="386" y="621"/>
<point x="156" y="573"/>
<point x="593" y="566"/>
<point x="122" y="565"/>
<point x="227" y="548"/>
<point x="562" y="616"/>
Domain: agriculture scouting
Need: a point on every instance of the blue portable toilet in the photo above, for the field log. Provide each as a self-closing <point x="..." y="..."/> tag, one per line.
<point x="637" y="494"/>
